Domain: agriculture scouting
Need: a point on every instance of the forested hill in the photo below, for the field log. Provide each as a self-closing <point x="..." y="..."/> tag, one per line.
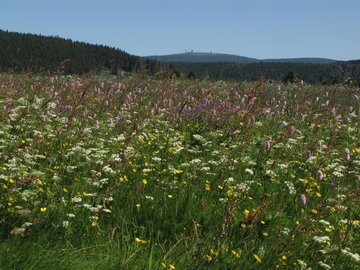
<point x="338" y="72"/>
<point x="29" y="52"/>
<point x="197" y="57"/>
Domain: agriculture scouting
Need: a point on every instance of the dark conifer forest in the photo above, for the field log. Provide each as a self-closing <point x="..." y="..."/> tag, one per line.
<point x="36" y="53"/>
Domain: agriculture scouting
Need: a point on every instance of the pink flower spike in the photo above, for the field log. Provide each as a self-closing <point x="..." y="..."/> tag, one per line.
<point x="320" y="175"/>
<point x="267" y="146"/>
<point x="347" y="154"/>
<point x="302" y="199"/>
<point x="291" y="130"/>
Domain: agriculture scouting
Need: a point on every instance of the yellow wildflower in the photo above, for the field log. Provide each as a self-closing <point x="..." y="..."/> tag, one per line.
<point x="257" y="258"/>
<point x="235" y="253"/>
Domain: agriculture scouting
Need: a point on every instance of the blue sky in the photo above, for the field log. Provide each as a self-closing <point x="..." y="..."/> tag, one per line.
<point x="252" y="28"/>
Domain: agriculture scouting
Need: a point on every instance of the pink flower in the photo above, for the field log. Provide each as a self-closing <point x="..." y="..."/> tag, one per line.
<point x="267" y="146"/>
<point x="320" y="175"/>
<point x="302" y="199"/>
<point x="347" y="154"/>
<point x="291" y="130"/>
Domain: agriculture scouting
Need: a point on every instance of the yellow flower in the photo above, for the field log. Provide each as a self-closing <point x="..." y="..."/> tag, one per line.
<point x="141" y="241"/>
<point x="265" y="234"/>
<point x="93" y="223"/>
<point x="43" y="209"/>
<point x="171" y="267"/>
<point x="207" y="187"/>
<point x="235" y="253"/>
<point x="170" y="196"/>
<point x="318" y="194"/>
<point x="144" y="181"/>
<point x="257" y="258"/>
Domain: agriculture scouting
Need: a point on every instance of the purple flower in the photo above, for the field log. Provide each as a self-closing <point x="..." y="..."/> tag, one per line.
<point x="347" y="154"/>
<point x="267" y="146"/>
<point x="291" y="130"/>
<point x="302" y="199"/>
<point x="333" y="184"/>
<point x="320" y="175"/>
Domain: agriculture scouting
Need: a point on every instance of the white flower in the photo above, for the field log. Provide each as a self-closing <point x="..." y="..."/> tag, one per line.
<point x="324" y="265"/>
<point x="195" y="161"/>
<point x="76" y="199"/>
<point x="355" y="256"/>
<point x="247" y="170"/>
<point x="322" y="239"/>
<point x="324" y="222"/>
<point x="65" y="224"/>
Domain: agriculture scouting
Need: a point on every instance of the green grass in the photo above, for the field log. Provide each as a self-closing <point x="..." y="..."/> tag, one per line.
<point x="132" y="172"/>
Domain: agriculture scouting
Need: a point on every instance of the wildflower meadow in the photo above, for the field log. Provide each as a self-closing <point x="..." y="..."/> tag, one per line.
<point x="138" y="172"/>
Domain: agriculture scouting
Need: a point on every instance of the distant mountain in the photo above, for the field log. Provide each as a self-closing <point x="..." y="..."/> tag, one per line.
<point x="203" y="57"/>
<point x="197" y="57"/>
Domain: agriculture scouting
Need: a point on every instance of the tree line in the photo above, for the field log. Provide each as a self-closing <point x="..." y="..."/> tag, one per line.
<point x="30" y="52"/>
<point x="338" y="72"/>
<point x="36" y="53"/>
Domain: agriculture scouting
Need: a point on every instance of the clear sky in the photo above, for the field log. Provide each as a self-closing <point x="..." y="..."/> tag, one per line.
<point x="252" y="28"/>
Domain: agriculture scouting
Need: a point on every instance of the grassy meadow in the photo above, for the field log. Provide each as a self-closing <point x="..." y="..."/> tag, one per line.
<point x="135" y="172"/>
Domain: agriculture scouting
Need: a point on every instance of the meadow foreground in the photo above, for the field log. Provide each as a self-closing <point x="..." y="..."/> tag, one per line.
<point x="134" y="172"/>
